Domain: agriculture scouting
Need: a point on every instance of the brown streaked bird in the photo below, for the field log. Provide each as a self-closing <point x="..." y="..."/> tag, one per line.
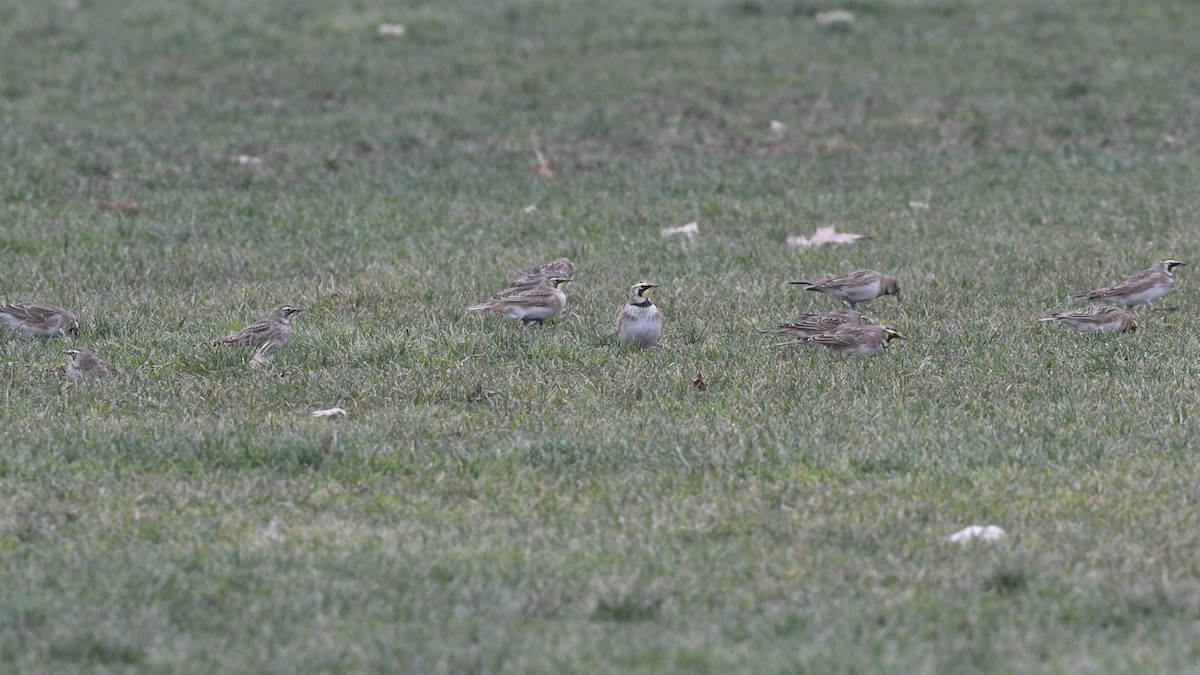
<point x="856" y="287"/>
<point x="36" y="319"/>
<point x="808" y="325"/>
<point x="265" y="336"/>
<point x="852" y="340"/>
<point x="535" y="276"/>
<point x="532" y="306"/>
<point x="1142" y="288"/>
<point x="639" y="322"/>
<point x="85" y="365"/>
<point x="1096" y="319"/>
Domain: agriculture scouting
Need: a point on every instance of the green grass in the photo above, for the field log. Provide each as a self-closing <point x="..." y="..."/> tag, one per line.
<point x="541" y="500"/>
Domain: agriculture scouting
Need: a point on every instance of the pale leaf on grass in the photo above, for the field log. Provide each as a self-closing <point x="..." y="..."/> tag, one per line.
<point x="247" y="159"/>
<point x="824" y="235"/>
<point x="690" y="230"/>
<point x="529" y="209"/>
<point x="977" y="533"/>
<point x="835" y="16"/>
<point x="330" y="414"/>
<point x="918" y="206"/>
<point x="390" y="30"/>
<point x="123" y="205"/>
<point x="777" y="127"/>
<point x="542" y="167"/>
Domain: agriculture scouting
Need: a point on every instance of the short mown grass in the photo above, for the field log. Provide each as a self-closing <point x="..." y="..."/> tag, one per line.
<point x="504" y="499"/>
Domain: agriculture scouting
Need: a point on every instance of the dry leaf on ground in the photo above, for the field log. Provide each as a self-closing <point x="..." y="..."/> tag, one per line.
<point x="835" y="16"/>
<point x="824" y="235"/>
<point x="977" y="532"/>
<point x="541" y="168"/>
<point x="691" y="229"/>
<point x="123" y="205"/>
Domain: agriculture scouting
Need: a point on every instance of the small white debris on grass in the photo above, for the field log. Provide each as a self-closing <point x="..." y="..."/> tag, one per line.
<point x="778" y="127"/>
<point x="918" y="206"/>
<point x="835" y="16"/>
<point x="824" y="235"/>
<point x="390" y="30"/>
<point x="331" y="414"/>
<point x="247" y="159"/>
<point x="529" y="209"/>
<point x="978" y="532"/>
<point x="691" y="229"/>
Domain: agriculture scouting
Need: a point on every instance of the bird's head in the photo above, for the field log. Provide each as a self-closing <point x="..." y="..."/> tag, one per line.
<point x="284" y="313"/>
<point x="891" y="286"/>
<point x="641" y="288"/>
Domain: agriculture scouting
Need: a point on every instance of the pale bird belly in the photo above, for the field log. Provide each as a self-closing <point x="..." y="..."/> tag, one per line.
<point x="866" y="350"/>
<point x="1084" y="327"/>
<point x="644" y="333"/>
<point x="644" y="330"/>
<point x="1147" y="296"/>
<point x="862" y="293"/>
<point x="24" y="328"/>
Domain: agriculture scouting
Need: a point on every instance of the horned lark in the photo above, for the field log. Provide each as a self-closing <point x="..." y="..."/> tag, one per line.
<point x="266" y="336"/>
<point x="856" y="287"/>
<point x="639" y="323"/>
<point x="808" y="325"/>
<point x="536" y="275"/>
<point x="35" y="319"/>
<point x="532" y="306"/>
<point x="85" y="365"/>
<point x="1142" y="288"/>
<point x="852" y="339"/>
<point x="1096" y="319"/>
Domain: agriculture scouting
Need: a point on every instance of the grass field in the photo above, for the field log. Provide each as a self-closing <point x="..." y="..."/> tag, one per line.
<point x="504" y="499"/>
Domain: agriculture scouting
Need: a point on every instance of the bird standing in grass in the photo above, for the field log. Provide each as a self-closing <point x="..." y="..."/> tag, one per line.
<point x="265" y="336"/>
<point x="36" y="319"/>
<point x="639" y="323"/>
<point x="1096" y="319"/>
<point x="532" y="306"/>
<point x="808" y="325"/>
<point x="85" y="365"/>
<point x="535" y="276"/>
<point x="856" y="287"/>
<point x="852" y="340"/>
<point x="1142" y="288"/>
